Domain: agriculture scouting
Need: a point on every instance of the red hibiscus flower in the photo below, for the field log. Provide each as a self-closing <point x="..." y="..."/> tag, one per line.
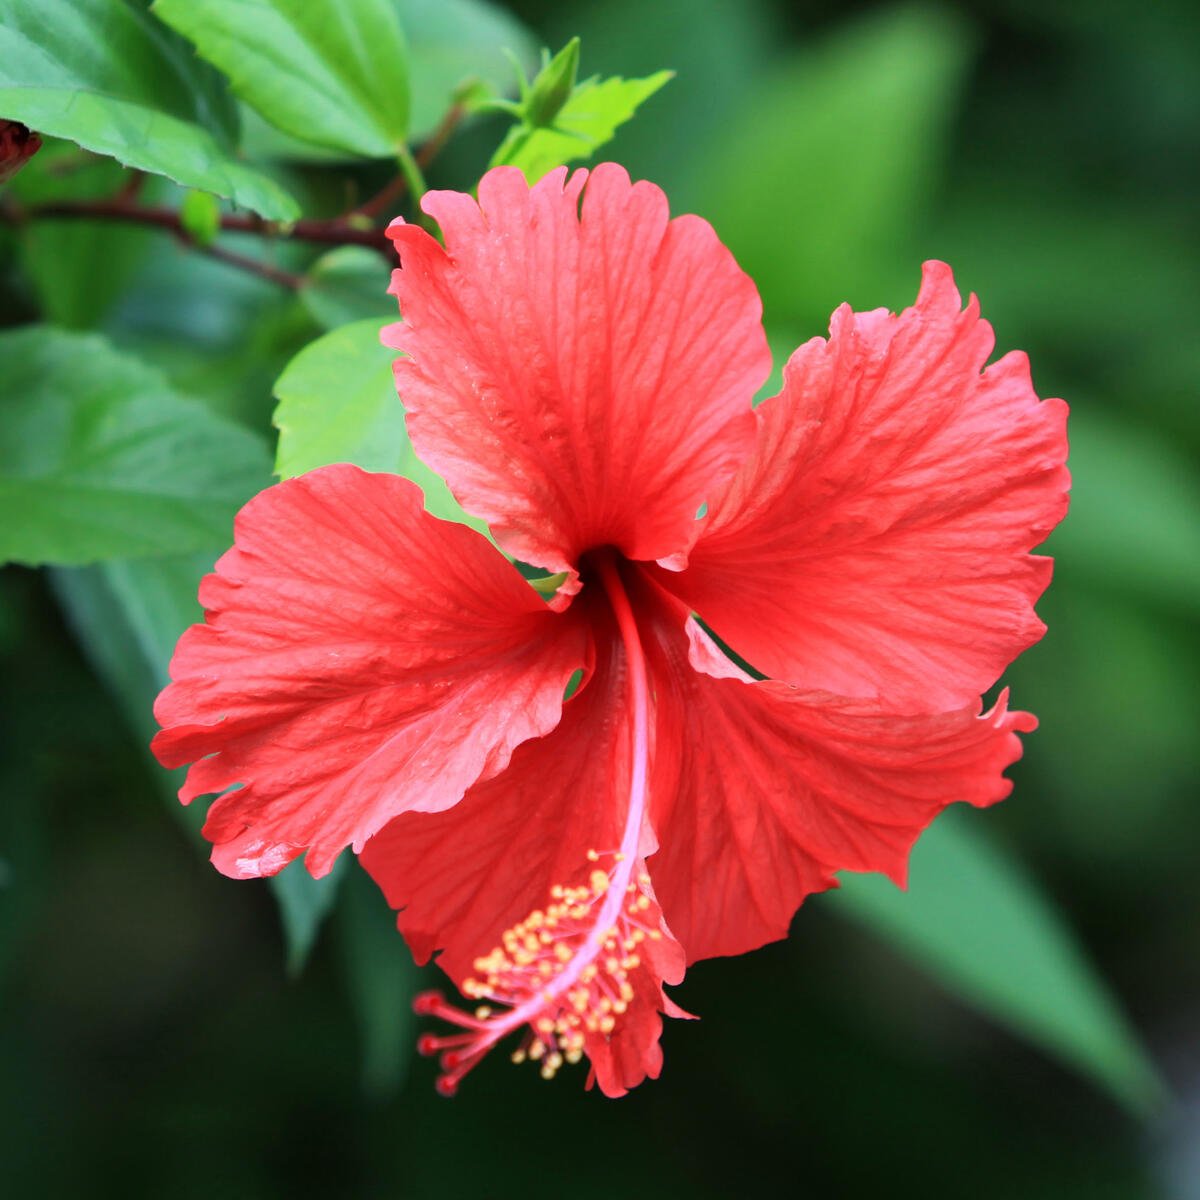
<point x="579" y="367"/>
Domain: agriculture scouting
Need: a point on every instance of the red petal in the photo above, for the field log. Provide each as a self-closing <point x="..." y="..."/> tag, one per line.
<point x="877" y="543"/>
<point x="360" y="659"/>
<point x="580" y="371"/>
<point x="771" y="790"/>
<point x="461" y="877"/>
<point x="633" y="1053"/>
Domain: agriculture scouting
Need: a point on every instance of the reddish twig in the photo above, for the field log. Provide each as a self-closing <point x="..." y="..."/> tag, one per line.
<point x="287" y="279"/>
<point x="441" y="135"/>
<point x="384" y="198"/>
<point x="387" y="196"/>
<point x="338" y="232"/>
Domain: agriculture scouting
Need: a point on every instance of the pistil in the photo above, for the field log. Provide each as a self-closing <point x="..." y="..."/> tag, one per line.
<point x="565" y="970"/>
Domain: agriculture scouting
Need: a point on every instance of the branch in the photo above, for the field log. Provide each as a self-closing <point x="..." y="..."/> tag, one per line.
<point x="338" y="232"/>
<point x="429" y="150"/>
<point x="441" y="135"/>
<point x="255" y="266"/>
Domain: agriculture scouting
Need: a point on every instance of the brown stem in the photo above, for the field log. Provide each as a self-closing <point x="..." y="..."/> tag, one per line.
<point x="384" y="198"/>
<point x="331" y="233"/>
<point x="430" y="149"/>
<point x="264" y="270"/>
<point x="441" y="135"/>
<point x="131" y="187"/>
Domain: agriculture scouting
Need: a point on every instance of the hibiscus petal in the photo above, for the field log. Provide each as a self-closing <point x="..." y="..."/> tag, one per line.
<point x="462" y="877"/>
<point x="579" y="367"/>
<point x="878" y="541"/>
<point x="360" y="659"/>
<point x="771" y="790"/>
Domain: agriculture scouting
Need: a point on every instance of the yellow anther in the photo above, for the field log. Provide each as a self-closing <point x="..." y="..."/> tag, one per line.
<point x="592" y="856"/>
<point x="573" y="1056"/>
<point x="537" y="1049"/>
<point x="599" y="881"/>
<point x="483" y="1012"/>
<point x="518" y="1056"/>
<point x="643" y="903"/>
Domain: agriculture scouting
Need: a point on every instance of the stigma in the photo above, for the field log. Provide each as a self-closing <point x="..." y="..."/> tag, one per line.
<point x="568" y="971"/>
<point x="562" y="973"/>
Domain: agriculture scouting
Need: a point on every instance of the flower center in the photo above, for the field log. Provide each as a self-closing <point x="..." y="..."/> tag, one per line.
<point x="564" y="971"/>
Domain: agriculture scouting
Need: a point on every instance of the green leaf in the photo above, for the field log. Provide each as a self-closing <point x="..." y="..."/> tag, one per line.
<point x="337" y="403"/>
<point x="552" y="87"/>
<point x="79" y="268"/>
<point x="348" y="284"/>
<point x="128" y="615"/>
<point x="304" y="903"/>
<point x="99" y="458"/>
<point x="1135" y="512"/>
<point x="200" y="216"/>
<point x="452" y="41"/>
<point x="586" y="122"/>
<point x="977" y="923"/>
<point x="382" y="981"/>
<point x="331" y="72"/>
<point x="717" y="61"/>
<point x="105" y="75"/>
<point x="819" y="178"/>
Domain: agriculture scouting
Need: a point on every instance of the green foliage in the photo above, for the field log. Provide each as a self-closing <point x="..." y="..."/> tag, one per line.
<point x="719" y="50"/>
<point x="983" y="928"/>
<point x="200" y="215"/>
<point x="816" y="182"/>
<point x="337" y="403"/>
<point x="552" y="87"/>
<point x="1119" y="474"/>
<point x="78" y="269"/>
<point x="585" y="122"/>
<point x="99" y="458"/>
<point x="331" y="73"/>
<point x="128" y="615"/>
<point x="304" y="904"/>
<point x="105" y="75"/>
<point x="452" y="42"/>
<point x="348" y="284"/>
<point x="381" y="979"/>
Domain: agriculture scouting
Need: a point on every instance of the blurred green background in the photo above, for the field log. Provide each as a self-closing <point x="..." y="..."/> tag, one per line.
<point x="154" y="1042"/>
